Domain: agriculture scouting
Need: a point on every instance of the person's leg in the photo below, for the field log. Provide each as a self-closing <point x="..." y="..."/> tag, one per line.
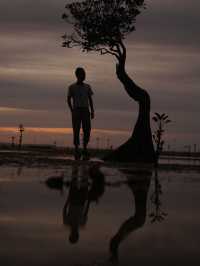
<point x="76" y="123"/>
<point x="86" y="124"/>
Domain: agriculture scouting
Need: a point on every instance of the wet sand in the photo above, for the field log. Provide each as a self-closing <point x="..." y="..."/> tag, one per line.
<point x="44" y="159"/>
<point x="31" y="216"/>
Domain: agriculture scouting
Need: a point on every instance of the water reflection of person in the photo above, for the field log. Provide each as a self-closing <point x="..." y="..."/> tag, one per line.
<point x="74" y="214"/>
<point x="87" y="185"/>
<point x="139" y="183"/>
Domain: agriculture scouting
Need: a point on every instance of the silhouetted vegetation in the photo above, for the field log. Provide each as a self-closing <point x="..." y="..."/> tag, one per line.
<point x="157" y="214"/>
<point x="161" y="121"/>
<point x="102" y="26"/>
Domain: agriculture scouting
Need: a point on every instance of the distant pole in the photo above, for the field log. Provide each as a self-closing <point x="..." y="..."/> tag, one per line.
<point x="195" y="148"/>
<point x="168" y="147"/>
<point x="81" y="137"/>
<point x="12" y="141"/>
<point x="21" y="130"/>
<point x="189" y="148"/>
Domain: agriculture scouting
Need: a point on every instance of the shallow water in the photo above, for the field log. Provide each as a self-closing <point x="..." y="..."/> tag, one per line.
<point x="191" y="161"/>
<point x="147" y="219"/>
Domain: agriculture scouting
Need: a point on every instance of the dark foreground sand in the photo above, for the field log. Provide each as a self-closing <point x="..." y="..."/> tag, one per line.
<point x="45" y="159"/>
<point x="33" y="231"/>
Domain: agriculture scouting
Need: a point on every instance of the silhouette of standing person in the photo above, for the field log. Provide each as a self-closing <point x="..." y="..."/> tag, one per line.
<point x="80" y="102"/>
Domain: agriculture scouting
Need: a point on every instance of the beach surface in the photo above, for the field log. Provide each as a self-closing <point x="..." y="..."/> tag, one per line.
<point x="138" y="217"/>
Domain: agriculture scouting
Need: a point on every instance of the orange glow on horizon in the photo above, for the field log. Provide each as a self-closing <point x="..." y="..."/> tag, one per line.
<point x="61" y="130"/>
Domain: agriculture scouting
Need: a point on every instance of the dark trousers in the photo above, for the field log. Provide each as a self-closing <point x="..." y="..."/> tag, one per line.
<point x="81" y="117"/>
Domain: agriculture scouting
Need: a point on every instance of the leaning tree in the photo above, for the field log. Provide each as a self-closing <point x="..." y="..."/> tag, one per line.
<point x="102" y="26"/>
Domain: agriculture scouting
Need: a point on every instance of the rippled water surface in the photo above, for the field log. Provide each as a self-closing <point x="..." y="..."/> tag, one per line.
<point x="107" y="216"/>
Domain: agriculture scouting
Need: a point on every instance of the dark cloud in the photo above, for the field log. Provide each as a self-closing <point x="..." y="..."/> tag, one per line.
<point x="163" y="57"/>
<point x="170" y="23"/>
<point x="32" y="12"/>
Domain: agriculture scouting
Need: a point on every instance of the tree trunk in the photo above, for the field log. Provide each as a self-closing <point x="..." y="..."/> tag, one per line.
<point x="139" y="147"/>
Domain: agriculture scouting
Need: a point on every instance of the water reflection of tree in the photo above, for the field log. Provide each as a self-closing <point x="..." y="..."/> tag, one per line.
<point x="92" y="182"/>
<point x="157" y="214"/>
<point x="138" y="182"/>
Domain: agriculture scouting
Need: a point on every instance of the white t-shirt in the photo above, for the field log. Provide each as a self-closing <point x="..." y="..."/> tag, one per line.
<point x="80" y="94"/>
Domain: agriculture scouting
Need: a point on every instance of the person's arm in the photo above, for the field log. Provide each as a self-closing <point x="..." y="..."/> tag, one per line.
<point x="91" y="106"/>
<point x="90" y="93"/>
<point x="69" y="99"/>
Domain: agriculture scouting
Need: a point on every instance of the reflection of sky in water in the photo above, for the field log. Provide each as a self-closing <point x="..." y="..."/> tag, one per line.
<point x="180" y="160"/>
<point x="32" y="231"/>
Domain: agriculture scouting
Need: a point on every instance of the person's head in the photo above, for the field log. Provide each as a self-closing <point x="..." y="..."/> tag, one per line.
<point x="80" y="74"/>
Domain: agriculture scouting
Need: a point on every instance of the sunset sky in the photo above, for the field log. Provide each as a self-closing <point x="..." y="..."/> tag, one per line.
<point x="35" y="71"/>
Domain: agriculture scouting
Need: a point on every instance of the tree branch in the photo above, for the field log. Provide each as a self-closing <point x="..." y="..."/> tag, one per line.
<point x="123" y="49"/>
<point x="104" y="51"/>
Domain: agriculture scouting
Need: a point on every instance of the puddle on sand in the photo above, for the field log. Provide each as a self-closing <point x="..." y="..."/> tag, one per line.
<point x="82" y="216"/>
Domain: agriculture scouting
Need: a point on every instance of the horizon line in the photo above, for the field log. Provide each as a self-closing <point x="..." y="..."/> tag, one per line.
<point x="62" y="130"/>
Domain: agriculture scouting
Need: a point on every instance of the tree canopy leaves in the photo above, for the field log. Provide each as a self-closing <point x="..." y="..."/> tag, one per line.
<point x="101" y="25"/>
